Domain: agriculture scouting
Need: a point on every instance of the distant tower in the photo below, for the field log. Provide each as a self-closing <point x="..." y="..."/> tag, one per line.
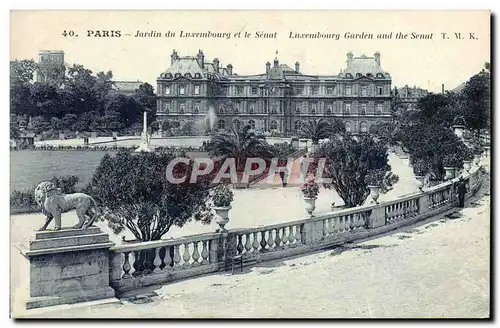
<point x="55" y="57"/>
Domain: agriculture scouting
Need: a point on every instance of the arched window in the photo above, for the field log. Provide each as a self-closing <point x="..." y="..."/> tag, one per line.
<point x="363" y="127"/>
<point x="348" y="126"/>
<point x="222" y="125"/>
<point x="380" y="75"/>
<point x="252" y="124"/>
<point x="298" y="124"/>
<point x="348" y="75"/>
<point x="237" y="124"/>
<point x="274" y="125"/>
<point x="221" y="110"/>
<point x="297" y="109"/>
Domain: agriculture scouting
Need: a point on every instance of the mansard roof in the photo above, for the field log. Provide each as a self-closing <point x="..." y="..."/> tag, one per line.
<point x="363" y="65"/>
<point x="184" y="65"/>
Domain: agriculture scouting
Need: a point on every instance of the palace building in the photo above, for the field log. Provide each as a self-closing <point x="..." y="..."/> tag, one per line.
<point x="279" y="100"/>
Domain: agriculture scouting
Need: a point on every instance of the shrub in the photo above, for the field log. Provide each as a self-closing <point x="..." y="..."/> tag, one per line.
<point x="223" y="196"/>
<point x="67" y="184"/>
<point x="452" y="160"/>
<point x="420" y="168"/>
<point x="375" y="177"/>
<point x="310" y="189"/>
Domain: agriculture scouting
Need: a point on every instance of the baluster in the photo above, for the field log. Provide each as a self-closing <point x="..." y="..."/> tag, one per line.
<point x="186" y="256"/>
<point x="255" y="243"/>
<point x="298" y="237"/>
<point x="157" y="261"/>
<point x="263" y="241"/>
<point x="204" y="252"/>
<point x="126" y="266"/>
<point x="270" y="240"/>
<point x="284" y="238"/>
<point x="167" y="260"/>
<point x="277" y="240"/>
<point x="331" y="225"/>
<point x="348" y="223"/>
<point x="177" y="257"/>
<point x="291" y="236"/>
<point x="355" y="221"/>
<point x="325" y="227"/>
<point x="239" y="247"/>
<point x="137" y="264"/>
<point x="248" y="245"/>
<point x="196" y="255"/>
<point x="341" y="224"/>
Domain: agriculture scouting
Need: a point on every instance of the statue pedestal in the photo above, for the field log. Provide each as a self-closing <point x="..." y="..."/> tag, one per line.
<point x="68" y="266"/>
<point x="144" y="147"/>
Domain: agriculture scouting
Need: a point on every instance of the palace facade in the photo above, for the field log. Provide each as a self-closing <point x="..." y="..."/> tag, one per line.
<point x="279" y="100"/>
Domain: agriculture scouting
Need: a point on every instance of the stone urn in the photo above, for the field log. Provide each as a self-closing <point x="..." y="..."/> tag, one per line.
<point x="374" y="192"/>
<point x="467" y="165"/>
<point x="420" y="181"/>
<point x="310" y="205"/>
<point x="222" y="216"/>
<point x="459" y="130"/>
<point x="449" y="172"/>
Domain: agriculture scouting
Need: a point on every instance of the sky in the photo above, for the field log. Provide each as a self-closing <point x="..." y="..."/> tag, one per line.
<point x="427" y="63"/>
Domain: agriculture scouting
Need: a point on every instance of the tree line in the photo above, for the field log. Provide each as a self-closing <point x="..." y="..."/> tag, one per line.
<point x="73" y="98"/>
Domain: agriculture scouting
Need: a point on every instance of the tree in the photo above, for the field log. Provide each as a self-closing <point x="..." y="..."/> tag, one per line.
<point x="240" y="145"/>
<point x="338" y="127"/>
<point x="124" y="108"/>
<point x="385" y="131"/>
<point x="136" y="195"/>
<point x="348" y="162"/>
<point x="476" y="97"/>
<point x="22" y="71"/>
<point x="146" y="98"/>
<point x="316" y="130"/>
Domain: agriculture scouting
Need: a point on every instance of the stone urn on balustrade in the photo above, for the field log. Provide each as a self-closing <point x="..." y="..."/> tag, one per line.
<point x="420" y="181"/>
<point x="222" y="216"/>
<point x="222" y="198"/>
<point x="310" y="205"/>
<point x="374" y="192"/>
<point x="310" y="191"/>
<point x="449" y="172"/>
<point x="467" y="165"/>
<point x="477" y="159"/>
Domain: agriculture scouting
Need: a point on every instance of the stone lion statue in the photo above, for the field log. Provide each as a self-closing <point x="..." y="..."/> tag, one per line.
<point x="53" y="203"/>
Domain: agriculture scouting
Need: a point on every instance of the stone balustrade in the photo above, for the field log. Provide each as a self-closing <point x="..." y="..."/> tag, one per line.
<point x="140" y="264"/>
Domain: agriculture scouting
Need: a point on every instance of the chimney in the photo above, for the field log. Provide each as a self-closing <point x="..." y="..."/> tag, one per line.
<point x="377" y="57"/>
<point x="268" y="67"/>
<point x="230" y="69"/>
<point x="297" y="67"/>
<point x="201" y="59"/>
<point x="442" y="88"/>
<point x="216" y="64"/>
<point x="174" y="56"/>
<point x="349" y="58"/>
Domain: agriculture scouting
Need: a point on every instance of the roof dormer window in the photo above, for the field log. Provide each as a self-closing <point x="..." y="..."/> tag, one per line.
<point x="348" y="75"/>
<point x="359" y="75"/>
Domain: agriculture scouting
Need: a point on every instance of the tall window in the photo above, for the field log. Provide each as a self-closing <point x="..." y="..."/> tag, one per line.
<point x="347" y="109"/>
<point x="221" y="110"/>
<point x="313" y="108"/>
<point x="255" y="90"/>
<point x="298" y="124"/>
<point x="252" y="124"/>
<point x="314" y="89"/>
<point x="329" y="89"/>
<point x="196" y="108"/>
<point x="196" y="89"/>
<point x="379" y="108"/>
<point x="167" y="107"/>
<point x="222" y="125"/>
<point x="364" y="90"/>
<point x="237" y="124"/>
<point x="251" y="108"/>
<point x="380" y="90"/>
<point x="348" y="126"/>
<point x="182" y="89"/>
<point x="297" y="109"/>
<point x="274" y="125"/>
<point x="363" y="127"/>
<point x="348" y="90"/>
<point x="239" y="90"/>
<point x="182" y="108"/>
<point x="329" y="109"/>
<point x="363" y="109"/>
<point x="166" y="90"/>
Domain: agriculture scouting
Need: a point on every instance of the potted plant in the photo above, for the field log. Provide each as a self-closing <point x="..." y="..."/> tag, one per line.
<point x="420" y="169"/>
<point x="374" y="179"/>
<point x="310" y="191"/>
<point x="222" y="198"/>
